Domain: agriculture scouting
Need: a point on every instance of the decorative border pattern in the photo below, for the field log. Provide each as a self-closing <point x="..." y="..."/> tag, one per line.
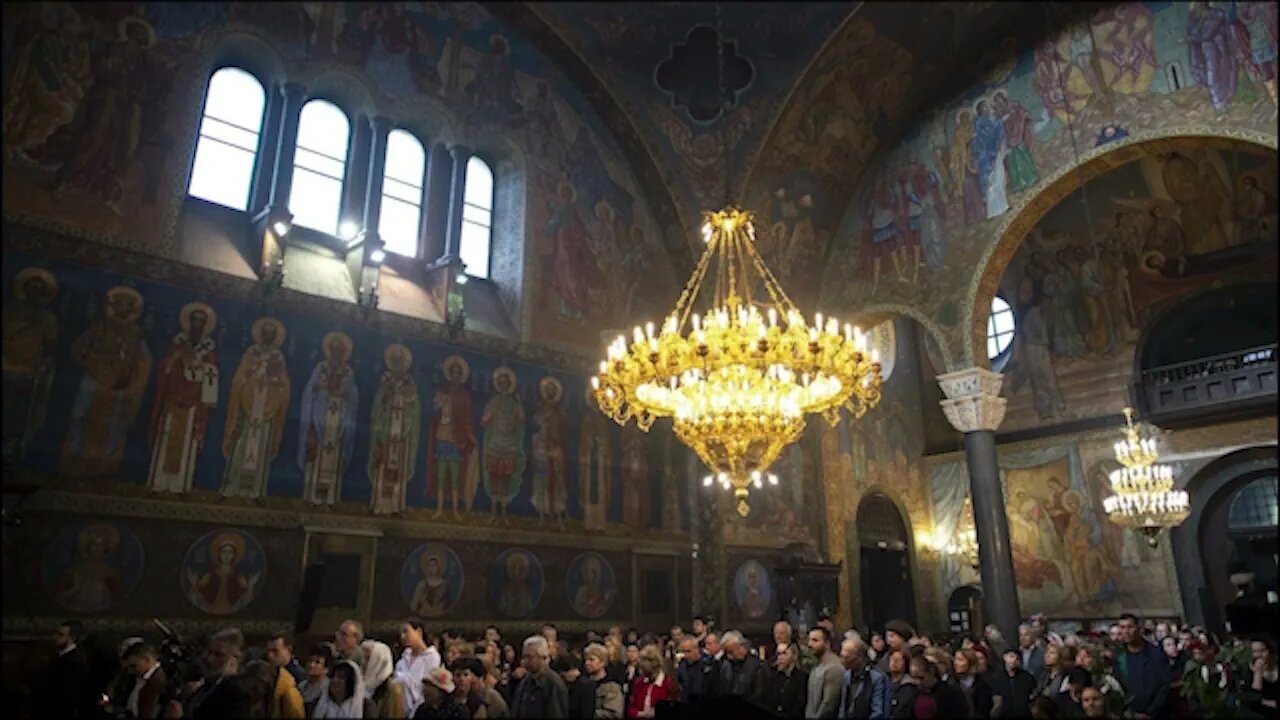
<point x="138" y="505"/>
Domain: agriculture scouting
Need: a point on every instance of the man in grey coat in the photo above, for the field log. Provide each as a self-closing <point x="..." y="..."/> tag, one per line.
<point x="825" y="679"/>
<point x="542" y="694"/>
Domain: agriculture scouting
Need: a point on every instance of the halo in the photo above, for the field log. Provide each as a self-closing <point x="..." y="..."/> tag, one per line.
<point x="546" y="384"/>
<point x="108" y="534"/>
<point x="126" y="290"/>
<point x="335" y="335"/>
<point x="516" y="558"/>
<point x="436" y="553"/>
<point x="184" y="316"/>
<point x="1073" y="495"/>
<point x="20" y="281"/>
<point x="226" y="537"/>
<point x="573" y="194"/>
<point x="387" y="355"/>
<point x="122" y="29"/>
<point x="504" y="371"/>
<point x="262" y="322"/>
<point x="604" y="204"/>
<point x="456" y="360"/>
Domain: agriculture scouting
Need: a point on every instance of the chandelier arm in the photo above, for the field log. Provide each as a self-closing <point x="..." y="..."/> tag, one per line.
<point x="693" y="288"/>
<point x="730" y="258"/>
<point x="744" y="257"/>
<point x="771" y="284"/>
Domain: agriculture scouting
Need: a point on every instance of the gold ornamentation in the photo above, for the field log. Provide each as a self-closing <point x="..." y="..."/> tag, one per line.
<point x="739" y="384"/>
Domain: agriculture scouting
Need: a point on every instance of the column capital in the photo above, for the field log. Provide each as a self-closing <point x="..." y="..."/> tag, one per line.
<point x="294" y="92"/>
<point x="382" y="126"/>
<point x="973" y="400"/>
<point x="461" y="152"/>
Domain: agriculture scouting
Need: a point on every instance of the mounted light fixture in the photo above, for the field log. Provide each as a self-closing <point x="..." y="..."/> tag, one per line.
<point x="1144" y="498"/>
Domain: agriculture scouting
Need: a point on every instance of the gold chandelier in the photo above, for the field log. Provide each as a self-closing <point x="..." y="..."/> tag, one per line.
<point x="964" y="543"/>
<point x="737" y="381"/>
<point x="1145" y="499"/>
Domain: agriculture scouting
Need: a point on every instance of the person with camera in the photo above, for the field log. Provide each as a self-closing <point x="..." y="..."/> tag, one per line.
<point x="185" y="681"/>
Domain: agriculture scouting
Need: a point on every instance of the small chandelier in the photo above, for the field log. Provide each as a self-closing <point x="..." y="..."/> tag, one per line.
<point x="1145" y="499"/>
<point x="964" y="543"/>
<point x="737" y="380"/>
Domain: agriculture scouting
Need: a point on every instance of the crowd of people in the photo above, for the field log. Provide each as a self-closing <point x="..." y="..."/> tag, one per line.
<point x="1135" y="670"/>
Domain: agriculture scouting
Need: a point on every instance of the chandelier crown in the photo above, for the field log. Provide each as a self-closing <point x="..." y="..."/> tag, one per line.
<point x="739" y="378"/>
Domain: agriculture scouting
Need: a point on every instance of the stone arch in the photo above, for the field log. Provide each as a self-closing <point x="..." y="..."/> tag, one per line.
<point x="1212" y="484"/>
<point x="869" y="315"/>
<point x="853" y="555"/>
<point x="350" y="89"/>
<point x="1019" y="220"/>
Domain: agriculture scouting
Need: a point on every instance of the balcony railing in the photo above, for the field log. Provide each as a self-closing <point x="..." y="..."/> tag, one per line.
<point x="1219" y="380"/>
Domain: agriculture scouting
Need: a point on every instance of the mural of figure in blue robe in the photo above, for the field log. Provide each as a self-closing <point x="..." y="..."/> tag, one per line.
<point x="1213" y="62"/>
<point x="30" y="337"/>
<point x="115" y="360"/>
<point x="328" y="430"/>
<point x="990" y="147"/>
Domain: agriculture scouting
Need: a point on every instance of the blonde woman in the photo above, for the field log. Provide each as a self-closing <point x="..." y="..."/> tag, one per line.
<point x="609" y="701"/>
<point x="652" y="684"/>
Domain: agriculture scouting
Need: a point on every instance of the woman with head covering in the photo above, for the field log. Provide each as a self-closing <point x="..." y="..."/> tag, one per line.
<point x="346" y="697"/>
<point x="379" y="685"/>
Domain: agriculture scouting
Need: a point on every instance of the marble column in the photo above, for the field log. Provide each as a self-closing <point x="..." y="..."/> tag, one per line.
<point x="975" y="408"/>
<point x="381" y="128"/>
<point x="286" y="147"/>
<point x="457" y="189"/>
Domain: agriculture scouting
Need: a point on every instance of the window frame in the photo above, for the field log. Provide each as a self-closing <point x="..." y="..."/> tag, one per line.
<point x="334" y="238"/>
<point x="493" y="195"/>
<point x="422" y="191"/>
<point x="1001" y="357"/>
<point x="255" y="173"/>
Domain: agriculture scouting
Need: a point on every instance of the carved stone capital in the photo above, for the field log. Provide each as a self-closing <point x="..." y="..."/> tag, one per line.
<point x="973" y="399"/>
<point x="973" y="381"/>
<point x="974" y="413"/>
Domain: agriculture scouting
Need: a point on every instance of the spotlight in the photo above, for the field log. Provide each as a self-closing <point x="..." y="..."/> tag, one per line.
<point x="377" y="256"/>
<point x="348" y="230"/>
<point x="281" y="228"/>
<point x="462" y="278"/>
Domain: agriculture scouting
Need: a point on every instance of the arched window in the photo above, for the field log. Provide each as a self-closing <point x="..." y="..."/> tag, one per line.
<point x="1000" y="328"/>
<point x="227" y="149"/>
<point x="401" y="216"/>
<point x="477" y="218"/>
<point x="319" y="167"/>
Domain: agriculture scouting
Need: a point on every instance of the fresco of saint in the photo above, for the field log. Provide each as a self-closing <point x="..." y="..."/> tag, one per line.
<point x="636" y="492"/>
<point x="49" y="77"/>
<point x="591" y="585"/>
<point x="504" y="457"/>
<point x="258" y="407"/>
<point x="186" y="390"/>
<point x="549" y="474"/>
<point x="103" y="570"/>
<point x="30" y="337"/>
<point x="393" y="431"/>
<point x="575" y="271"/>
<point x="517" y="581"/>
<point x="328" y="429"/>
<point x="441" y="583"/>
<point x="594" y="464"/>
<point x="232" y="576"/>
<point x="453" y="472"/>
<point x="114" y="358"/>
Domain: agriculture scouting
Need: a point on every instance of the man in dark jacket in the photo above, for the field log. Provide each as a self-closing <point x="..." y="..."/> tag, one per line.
<point x="742" y="674"/>
<point x="785" y="693"/>
<point x="542" y="694"/>
<point x="689" y="671"/>
<point x="864" y="691"/>
<point x="935" y="698"/>
<point x="1143" y="670"/>
<point x="712" y="662"/>
<point x="1014" y="686"/>
<point x="68" y="691"/>
<point x="582" y="692"/>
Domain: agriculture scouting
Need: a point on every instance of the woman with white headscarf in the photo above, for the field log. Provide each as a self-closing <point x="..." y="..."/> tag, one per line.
<point x="379" y="685"/>
<point x="346" y="698"/>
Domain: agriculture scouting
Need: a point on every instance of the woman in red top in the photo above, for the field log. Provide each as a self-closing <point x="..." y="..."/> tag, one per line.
<point x="651" y="686"/>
